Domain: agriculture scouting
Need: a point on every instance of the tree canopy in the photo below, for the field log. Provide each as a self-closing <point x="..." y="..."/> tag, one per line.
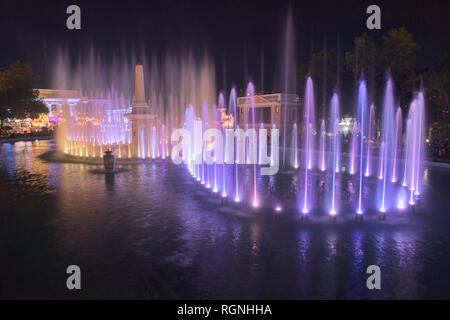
<point x="394" y="52"/>
<point x="18" y="98"/>
<point x="437" y="89"/>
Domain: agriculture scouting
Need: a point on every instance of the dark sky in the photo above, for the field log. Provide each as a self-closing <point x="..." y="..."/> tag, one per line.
<point x="227" y="28"/>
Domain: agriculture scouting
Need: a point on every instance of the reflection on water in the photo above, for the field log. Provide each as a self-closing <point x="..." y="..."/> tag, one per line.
<point x="150" y="232"/>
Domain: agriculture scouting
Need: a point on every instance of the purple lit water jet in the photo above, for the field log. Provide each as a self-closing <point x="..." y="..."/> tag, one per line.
<point x="322" y="146"/>
<point x="308" y="130"/>
<point x="361" y="107"/>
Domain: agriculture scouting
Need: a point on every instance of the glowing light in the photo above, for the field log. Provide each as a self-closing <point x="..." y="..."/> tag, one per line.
<point x="278" y="208"/>
<point x="401" y="204"/>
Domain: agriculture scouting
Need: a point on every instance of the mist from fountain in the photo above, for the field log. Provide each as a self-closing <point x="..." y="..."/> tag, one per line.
<point x="288" y="76"/>
<point x="95" y="121"/>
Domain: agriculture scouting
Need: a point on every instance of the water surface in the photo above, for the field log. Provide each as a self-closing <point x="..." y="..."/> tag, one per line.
<point x="151" y="232"/>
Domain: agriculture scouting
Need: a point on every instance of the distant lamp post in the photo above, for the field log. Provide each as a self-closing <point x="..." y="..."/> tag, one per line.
<point x="108" y="160"/>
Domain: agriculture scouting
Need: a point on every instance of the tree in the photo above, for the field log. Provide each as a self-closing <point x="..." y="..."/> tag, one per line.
<point x="362" y="57"/>
<point x="396" y="53"/>
<point x="437" y="87"/>
<point x="18" y="99"/>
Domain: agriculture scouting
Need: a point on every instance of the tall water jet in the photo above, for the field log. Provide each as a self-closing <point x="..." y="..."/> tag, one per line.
<point x="154" y="140"/>
<point x="308" y="142"/>
<point x="362" y="110"/>
<point x="406" y="153"/>
<point x="288" y="76"/>
<point x="387" y="143"/>
<point x="250" y="101"/>
<point x="322" y="146"/>
<point x="294" y="146"/>
<point x="234" y="110"/>
<point x="334" y="128"/>
<point x="397" y="142"/>
<point x="419" y="117"/>
<point x="371" y="129"/>
<point x="189" y="154"/>
<point x="354" y="148"/>
<point x="415" y="149"/>
<point x="221" y="108"/>
<point x="163" y="142"/>
<point x="205" y="122"/>
<point x="215" y="125"/>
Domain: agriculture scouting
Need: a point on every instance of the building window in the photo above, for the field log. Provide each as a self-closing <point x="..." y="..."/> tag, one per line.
<point x="276" y="109"/>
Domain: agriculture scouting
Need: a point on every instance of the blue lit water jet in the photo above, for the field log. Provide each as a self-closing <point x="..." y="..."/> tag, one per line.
<point x="387" y="141"/>
<point x="369" y="140"/>
<point x="334" y="128"/>
<point x="322" y="146"/>
<point x="361" y="107"/>
<point x="397" y="142"/>
<point x="308" y="130"/>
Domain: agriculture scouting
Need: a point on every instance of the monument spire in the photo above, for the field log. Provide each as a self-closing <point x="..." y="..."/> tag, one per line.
<point x="141" y="115"/>
<point x="139" y="93"/>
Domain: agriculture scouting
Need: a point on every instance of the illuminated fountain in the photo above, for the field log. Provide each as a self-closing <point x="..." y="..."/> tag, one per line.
<point x="113" y="114"/>
<point x="95" y="121"/>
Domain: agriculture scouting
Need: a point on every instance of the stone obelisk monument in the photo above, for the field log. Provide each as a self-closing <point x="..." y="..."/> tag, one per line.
<point x="140" y="116"/>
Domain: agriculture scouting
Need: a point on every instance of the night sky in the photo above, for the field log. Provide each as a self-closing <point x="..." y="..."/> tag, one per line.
<point x="229" y="30"/>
